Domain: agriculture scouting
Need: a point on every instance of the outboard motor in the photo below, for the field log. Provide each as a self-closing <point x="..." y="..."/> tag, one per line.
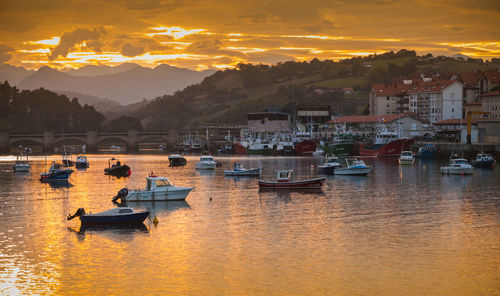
<point x="80" y="212"/>
<point x="122" y="193"/>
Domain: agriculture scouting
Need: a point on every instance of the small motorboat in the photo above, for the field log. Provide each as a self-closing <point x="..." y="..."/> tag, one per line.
<point x="457" y="166"/>
<point x="157" y="189"/>
<point x="116" y="168"/>
<point x="238" y="170"/>
<point x="284" y="181"/>
<point x="354" y="167"/>
<point x="120" y="215"/>
<point x="329" y="165"/>
<point x="427" y="151"/>
<point x="22" y="165"/>
<point x="81" y="162"/>
<point x="406" y="158"/>
<point x="484" y="160"/>
<point x="56" y="173"/>
<point x="206" y="162"/>
<point x="176" y="160"/>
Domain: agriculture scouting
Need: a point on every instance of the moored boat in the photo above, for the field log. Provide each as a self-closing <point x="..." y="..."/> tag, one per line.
<point x="329" y="165"/>
<point x="116" y="168"/>
<point x="484" y="160"/>
<point x="157" y="189"/>
<point x="81" y="162"/>
<point x="176" y="160"/>
<point x="56" y="173"/>
<point x="386" y="144"/>
<point x="119" y="215"/>
<point x="427" y="151"/>
<point x="206" y="162"/>
<point x="457" y="166"/>
<point x="283" y="181"/>
<point x="22" y="165"/>
<point x="238" y="170"/>
<point x="353" y="167"/>
<point x="406" y="158"/>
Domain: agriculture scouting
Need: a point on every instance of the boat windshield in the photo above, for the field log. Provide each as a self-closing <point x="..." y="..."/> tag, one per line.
<point x="207" y="158"/>
<point x="406" y="153"/>
<point x="162" y="183"/>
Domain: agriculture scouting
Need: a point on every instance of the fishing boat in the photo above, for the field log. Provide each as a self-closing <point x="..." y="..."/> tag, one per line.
<point x="157" y="189"/>
<point x="427" y="151"/>
<point x="318" y="152"/>
<point x="206" y="162"/>
<point x="56" y="173"/>
<point x="119" y="215"/>
<point x="22" y="165"/>
<point x="354" y="167"/>
<point x="484" y="160"/>
<point x="284" y="181"/>
<point x="457" y="166"/>
<point x="406" y="158"/>
<point x="329" y="165"/>
<point x="238" y="170"/>
<point x="116" y="168"/>
<point x="81" y="162"/>
<point x="386" y="144"/>
<point x="176" y="160"/>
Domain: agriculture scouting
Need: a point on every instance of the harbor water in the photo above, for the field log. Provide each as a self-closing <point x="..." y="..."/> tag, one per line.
<point x="401" y="230"/>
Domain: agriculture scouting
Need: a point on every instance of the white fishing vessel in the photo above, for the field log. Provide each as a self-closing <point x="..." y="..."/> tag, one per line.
<point x="457" y="166"/>
<point x="206" y="162"/>
<point x="353" y="166"/>
<point x="406" y="158"/>
<point x="157" y="189"/>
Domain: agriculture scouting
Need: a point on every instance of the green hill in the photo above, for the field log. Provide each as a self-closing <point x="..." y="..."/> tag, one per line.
<point x="227" y="96"/>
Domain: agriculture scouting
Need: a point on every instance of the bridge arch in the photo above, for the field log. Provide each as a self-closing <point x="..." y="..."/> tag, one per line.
<point x="112" y="140"/>
<point x="72" y="140"/>
<point x="17" y="141"/>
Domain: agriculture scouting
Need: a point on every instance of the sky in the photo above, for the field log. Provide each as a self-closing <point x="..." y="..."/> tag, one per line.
<point x="202" y="34"/>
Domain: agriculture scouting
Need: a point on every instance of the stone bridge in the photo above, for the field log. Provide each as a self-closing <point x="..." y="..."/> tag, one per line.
<point x="211" y="134"/>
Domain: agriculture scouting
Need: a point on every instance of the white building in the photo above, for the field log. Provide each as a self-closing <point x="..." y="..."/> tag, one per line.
<point x="491" y="103"/>
<point x="389" y="98"/>
<point x="438" y="100"/>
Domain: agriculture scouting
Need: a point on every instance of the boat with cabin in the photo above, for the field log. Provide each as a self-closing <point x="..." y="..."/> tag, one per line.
<point x="81" y="162"/>
<point x="116" y="168"/>
<point x="206" y="162"/>
<point x="484" y="160"/>
<point x="329" y="165"/>
<point x="56" y="173"/>
<point x="427" y="151"/>
<point x="353" y="167"/>
<point x="406" y="158"/>
<point x="119" y="215"/>
<point x="239" y="170"/>
<point x="284" y="181"/>
<point x="386" y="144"/>
<point x="176" y="160"/>
<point x="457" y="166"/>
<point x="22" y="164"/>
<point x="157" y="189"/>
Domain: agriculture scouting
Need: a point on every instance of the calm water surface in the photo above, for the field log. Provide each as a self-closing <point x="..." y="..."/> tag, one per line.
<point x="399" y="231"/>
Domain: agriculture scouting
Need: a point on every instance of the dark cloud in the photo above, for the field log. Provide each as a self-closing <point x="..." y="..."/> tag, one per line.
<point x="5" y="53"/>
<point x="456" y="28"/>
<point x="130" y="50"/>
<point x="70" y="39"/>
<point x="210" y="47"/>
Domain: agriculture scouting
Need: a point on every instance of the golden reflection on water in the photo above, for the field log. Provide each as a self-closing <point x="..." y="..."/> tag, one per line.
<point x="398" y="231"/>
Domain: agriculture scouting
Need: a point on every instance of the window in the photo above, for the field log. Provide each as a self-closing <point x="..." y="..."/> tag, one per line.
<point x="452" y="95"/>
<point x="162" y="183"/>
<point x="387" y="98"/>
<point x="124" y="211"/>
<point x="452" y="110"/>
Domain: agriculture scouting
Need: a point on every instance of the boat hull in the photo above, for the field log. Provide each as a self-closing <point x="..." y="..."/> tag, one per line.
<point x="305" y="148"/>
<point x="239" y="149"/>
<point x="133" y="218"/>
<point x="175" y="193"/>
<point x="353" y="171"/>
<point x="456" y="171"/>
<point x="205" y="166"/>
<point x="264" y="151"/>
<point x="406" y="161"/>
<point x="483" y="164"/>
<point x="249" y="172"/>
<point x="340" y="148"/>
<point x="391" y="149"/>
<point x="177" y="162"/>
<point x="327" y="170"/>
<point x="302" y="184"/>
<point x="81" y="165"/>
<point x="123" y="170"/>
<point x="60" y="175"/>
<point x="21" y="168"/>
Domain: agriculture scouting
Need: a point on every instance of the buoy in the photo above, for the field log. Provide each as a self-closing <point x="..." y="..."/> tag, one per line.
<point x="210" y="199"/>
<point x="155" y="221"/>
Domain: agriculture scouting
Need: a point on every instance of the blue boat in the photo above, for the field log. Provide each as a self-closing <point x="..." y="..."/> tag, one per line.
<point x="120" y="215"/>
<point x="427" y="151"/>
<point x="56" y="173"/>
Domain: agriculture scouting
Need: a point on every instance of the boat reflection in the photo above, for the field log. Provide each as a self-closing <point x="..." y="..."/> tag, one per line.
<point x="118" y="233"/>
<point x="58" y="184"/>
<point x="286" y="194"/>
<point x="156" y="207"/>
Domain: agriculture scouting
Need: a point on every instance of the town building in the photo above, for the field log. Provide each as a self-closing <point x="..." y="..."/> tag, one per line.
<point x="269" y="122"/>
<point x="491" y="79"/>
<point x="389" y="98"/>
<point x="312" y="116"/>
<point x="491" y="103"/>
<point x="472" y="85"/>
<point x="434" y="101"/>
<point x="455" y="130"/>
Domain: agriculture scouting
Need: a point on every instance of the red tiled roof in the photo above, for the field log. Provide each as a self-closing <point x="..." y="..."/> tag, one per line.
<point x="455" y="121"/>
<point x="431" y="86"/>
<point x="491" y="94"/>
<point x="492" y="75"/>
<point x="469" y="78"/>
<point x="389" y="89"/>
<point x="369" y="118"/>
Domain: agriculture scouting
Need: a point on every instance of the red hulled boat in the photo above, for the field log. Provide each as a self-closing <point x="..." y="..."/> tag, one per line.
<point x="386" y="144"/>
<point x="283" y="181"/>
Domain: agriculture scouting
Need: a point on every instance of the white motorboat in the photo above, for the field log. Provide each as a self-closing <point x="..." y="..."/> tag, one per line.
<point x="22" y="165"/>
<point x="331" y="162"/>
<point x="457" y="166"/>
<point x="318" y="152"/>
<point x="406" y="158"/>
<point x="157" y="189"/>
<point x="238" y="170"/>
<point x="206" y="162"/>
<point x="353" y="166"/>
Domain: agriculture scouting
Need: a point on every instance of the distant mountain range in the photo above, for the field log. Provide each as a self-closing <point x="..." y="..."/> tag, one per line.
<point x="127" y="83"/>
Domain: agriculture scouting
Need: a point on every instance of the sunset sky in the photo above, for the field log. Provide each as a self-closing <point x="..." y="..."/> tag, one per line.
<point x="200" y="34"/>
